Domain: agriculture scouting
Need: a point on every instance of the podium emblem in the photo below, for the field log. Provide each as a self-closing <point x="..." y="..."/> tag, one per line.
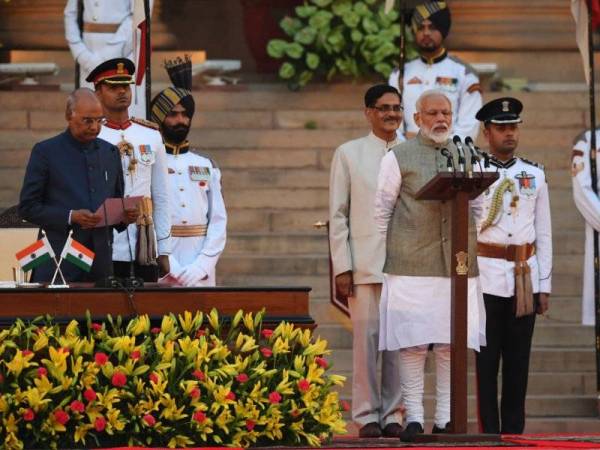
<point x="462" y="263"/>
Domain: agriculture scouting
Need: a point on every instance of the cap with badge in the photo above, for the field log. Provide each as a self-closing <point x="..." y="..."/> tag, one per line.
<point x="113" y="71"/>
<point x="503" y="110"/>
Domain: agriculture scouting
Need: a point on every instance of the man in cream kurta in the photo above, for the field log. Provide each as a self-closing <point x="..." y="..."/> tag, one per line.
<point x="415" y="302"/>
<point x="358" y="252"/>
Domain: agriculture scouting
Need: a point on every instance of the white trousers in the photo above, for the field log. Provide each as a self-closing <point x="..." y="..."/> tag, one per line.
<point x="412" y="376"/>
<point x="369" y="402"/>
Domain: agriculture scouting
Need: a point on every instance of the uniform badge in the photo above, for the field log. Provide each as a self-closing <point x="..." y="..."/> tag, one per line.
<point x="447" y="83"/>
<point x="526" y="183"/>
<point x="576" y="168"/>
<point x="414" y="80"/>
<point x="505" y="104"/>
<point x="171" y="171"/>
<point x="146" y="154"/>
<point x="200" y="174"/>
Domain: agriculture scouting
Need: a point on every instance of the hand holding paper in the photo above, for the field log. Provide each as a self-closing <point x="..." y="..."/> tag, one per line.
<point x="118" y="210"/>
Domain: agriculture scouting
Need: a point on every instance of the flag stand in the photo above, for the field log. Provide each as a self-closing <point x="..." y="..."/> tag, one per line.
<point x="58" y="271"/>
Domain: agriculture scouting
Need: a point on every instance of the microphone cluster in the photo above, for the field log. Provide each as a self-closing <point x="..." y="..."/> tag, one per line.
<point x="476" y="155"/>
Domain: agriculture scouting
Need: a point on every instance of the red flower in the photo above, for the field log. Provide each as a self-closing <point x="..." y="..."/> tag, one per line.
<point x="195" y="393"/>
<point x="77" y="406"/>
<point x="155" y="330"/>
<point x="119" y="379"/>
<point x="89" y="394"/>
<point x="199" y="416"/>
<point x="64" y="350"/>
<point x="250" y="424"/>
<point x="267" y="333"/>
<point x="42" y="372"/>
<point x="135" y="354"/>
<point x="242" y="378"/>
<point x="1" y="378"/>
<point x="100" y="423"/>
<point x="198" y="375"/>
<point x="230" y="396"/>
<point x="27" y="352"/>
<point x="345" y="405"/>
<point x="274" y="397"/>
<point x="303" y="385"/>
<point x="321" y="362"/>
<point x="200" y="333"/>
<point x="266" y="351"/>
<point x="61" y="416"/>
<point x="150" y="420"/>
<point x="96" y="327"/>
<point x="101" y="358"/>
<point x="28" y="415"/>
<point x="153" y="377"/>
<point x="295" y="413"/>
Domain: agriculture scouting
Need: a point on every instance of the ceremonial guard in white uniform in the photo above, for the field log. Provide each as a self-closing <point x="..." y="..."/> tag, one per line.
<point x="435" y="69"/>
<point x="514" y="248"/>
<point x="588" y="204"/>
<point x="107" y="33"/>
<point x="199" y="219"/>
<point x="145" y="170"/>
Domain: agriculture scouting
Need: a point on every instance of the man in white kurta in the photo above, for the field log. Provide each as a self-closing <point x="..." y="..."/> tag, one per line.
<point x="435" y="69"/>
<point x="358" y="253"/>
<point x="514" y="247"/>
<point x="144" y="168"/>
<point x="198" y="216"/>
<point x="107" y="33"/>
<point x="588" y="204"/>
<point x="415" y="302"/>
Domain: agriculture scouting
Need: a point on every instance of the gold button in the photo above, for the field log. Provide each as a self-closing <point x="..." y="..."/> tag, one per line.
<point x="444" y="240"/>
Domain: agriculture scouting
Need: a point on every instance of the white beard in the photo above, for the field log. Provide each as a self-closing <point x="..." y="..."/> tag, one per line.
<point x="438" y="138"/>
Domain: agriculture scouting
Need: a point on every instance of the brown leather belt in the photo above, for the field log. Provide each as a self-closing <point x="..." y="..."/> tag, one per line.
<point x="513" y="253"/>
<point x="188" y="230"/>
<point x="89" y="27"/>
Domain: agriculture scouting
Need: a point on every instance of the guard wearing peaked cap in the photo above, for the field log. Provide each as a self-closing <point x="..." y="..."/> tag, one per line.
<point x="514" y="254"/>
<point x="143" y="158"/>
<point x="436" y="69"/>
<point x="198" y="215"/>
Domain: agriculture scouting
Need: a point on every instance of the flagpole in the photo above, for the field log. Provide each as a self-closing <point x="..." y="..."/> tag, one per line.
<point x="148" y="49"/>
<point x="58" y="271"/>
<point x="594" y="176"/>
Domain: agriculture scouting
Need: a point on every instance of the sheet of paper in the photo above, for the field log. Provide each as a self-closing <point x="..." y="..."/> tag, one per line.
<point x="112" y="211"/>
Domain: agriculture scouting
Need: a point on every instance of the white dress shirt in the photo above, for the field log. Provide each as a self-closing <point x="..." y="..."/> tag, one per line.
<point x="149" y="179"/>
<point x="527" y="223"/>
<point x="416" y="310"/>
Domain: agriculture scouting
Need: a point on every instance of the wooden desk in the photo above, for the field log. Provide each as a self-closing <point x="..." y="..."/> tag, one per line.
<point x="280" y="303"/>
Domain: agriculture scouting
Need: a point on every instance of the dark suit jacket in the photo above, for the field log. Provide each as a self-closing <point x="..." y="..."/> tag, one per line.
<point x="63" y="175"/>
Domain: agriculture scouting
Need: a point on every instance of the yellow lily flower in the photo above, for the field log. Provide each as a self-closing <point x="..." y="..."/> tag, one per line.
<point x="139" y="325"/>
<point x="19" y="362"/>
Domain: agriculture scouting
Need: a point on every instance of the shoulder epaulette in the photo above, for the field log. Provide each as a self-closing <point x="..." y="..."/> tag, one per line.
<point x="145" y="123"/>
<point x="204" y="155"/>
<point x="468" y="67"/>
<point x="533" y="163"/>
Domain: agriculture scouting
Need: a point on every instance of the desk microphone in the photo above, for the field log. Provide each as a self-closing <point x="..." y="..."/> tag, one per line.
<point x="461" y="153"/>
<point x="475" y="151"/>
<point x="449" y="159"/>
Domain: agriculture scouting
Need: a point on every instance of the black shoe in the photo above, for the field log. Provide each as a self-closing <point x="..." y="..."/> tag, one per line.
<point x="370" y="430"/>
<point x="392" y="430"/>
<point x="411" y="431"/>
<point x="438" y="430"/>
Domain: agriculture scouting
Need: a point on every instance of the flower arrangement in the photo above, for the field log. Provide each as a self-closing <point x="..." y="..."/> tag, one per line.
<point x="195" y="380"/>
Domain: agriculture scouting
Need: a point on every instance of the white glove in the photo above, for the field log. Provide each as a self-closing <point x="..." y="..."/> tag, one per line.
<point x="192" y="275"/>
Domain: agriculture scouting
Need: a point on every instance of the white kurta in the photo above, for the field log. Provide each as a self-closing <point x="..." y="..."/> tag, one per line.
<point x="92" y="49"/>
<point x="588" y="205"/>
<point x="416" y="310"/>
<point x="195" y="199"/>
<point x="528" y="222"/>
<point x="458" y="81"/>
<point x="149" y="180"/>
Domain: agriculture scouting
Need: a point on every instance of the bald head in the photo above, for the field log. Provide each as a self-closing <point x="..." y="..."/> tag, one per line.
<point x="84" y="115"/>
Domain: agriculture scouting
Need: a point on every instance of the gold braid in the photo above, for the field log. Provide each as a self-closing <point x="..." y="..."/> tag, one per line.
<point x="505" y="185"/>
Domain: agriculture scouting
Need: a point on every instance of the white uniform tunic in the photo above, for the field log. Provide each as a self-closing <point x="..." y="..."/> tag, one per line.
<point x="588" y="205"/>
<point x="416" y="310"/>
<point x="449" y="74"/>
<point x="196" y="199"/>
<point x="149" y="179"/>
<point x="92" y="49"/>
<point x="528" y="222"/>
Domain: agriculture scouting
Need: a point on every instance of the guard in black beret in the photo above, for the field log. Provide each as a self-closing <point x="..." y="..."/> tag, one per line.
<point x="113" y="71"/>
<point x="501" y="111"/>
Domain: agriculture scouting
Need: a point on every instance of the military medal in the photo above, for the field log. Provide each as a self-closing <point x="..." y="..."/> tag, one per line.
<point x="199" y="174"/>
<point x="526" y="183"/>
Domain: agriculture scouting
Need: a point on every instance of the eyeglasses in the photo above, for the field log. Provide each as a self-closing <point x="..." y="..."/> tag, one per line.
<point x="388" y="108"/>
<point x="89" y="121"/>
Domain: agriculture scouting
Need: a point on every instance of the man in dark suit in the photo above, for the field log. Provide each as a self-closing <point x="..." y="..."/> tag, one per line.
<point x="69" y="176"/>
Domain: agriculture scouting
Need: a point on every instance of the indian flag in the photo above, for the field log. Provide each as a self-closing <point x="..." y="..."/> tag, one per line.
<point x="78" y="254"/>
<point x="35" y="255"/>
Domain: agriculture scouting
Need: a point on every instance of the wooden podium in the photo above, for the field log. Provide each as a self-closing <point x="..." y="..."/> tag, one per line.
<point x="458" y="188"/>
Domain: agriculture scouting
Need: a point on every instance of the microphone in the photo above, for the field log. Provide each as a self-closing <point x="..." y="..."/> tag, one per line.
<point x="461" y="153"/>
<point x="475" y="151"/>
<point x="449" y="159"/>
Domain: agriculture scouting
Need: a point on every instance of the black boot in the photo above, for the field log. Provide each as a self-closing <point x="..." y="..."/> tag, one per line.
<point x="370" y="430"/>
<point x="411" y="431"/>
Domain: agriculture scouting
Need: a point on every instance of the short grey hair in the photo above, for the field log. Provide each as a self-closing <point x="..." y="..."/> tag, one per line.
<point x="428" y="94"/>
<point x="77" y="95"/>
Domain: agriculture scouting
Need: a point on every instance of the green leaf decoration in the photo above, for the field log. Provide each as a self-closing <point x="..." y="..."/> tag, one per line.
<point x="306" y="36"/>
<point x="351" y="19"/>
<point x="321" y="20"/>
<point x="290" y="25"/>
<point x="276" y="48"/>
<point x="287" y="71"/>
<point x="312" y="60"/>
<point x="294" y="50"/>
<point x="341" y="7"/>
<point x="305" y="11"/>
<point x="369" y="25"/>
<point x="322" y="3"/>
<point x="356" y="36"/>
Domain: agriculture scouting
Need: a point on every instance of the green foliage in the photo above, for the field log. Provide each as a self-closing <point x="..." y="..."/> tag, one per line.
<point x="349" y="38"/>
